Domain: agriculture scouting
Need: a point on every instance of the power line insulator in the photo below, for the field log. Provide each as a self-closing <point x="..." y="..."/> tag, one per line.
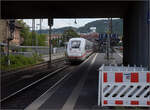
<point x="50" y="22"/>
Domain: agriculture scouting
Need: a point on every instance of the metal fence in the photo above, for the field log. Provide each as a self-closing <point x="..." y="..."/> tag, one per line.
<point x="40" y="52"/>
<point x="124" y="86"/>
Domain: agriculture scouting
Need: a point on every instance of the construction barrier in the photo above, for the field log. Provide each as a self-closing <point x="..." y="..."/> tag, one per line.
<point x="124" y="86"/>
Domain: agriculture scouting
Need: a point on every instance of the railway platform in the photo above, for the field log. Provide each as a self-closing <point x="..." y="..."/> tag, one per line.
<point x="78" y="90"/>
<point x="53" y="57"/>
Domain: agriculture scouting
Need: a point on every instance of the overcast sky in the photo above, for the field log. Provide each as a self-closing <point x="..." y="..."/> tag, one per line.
<point x="58" y="23"/>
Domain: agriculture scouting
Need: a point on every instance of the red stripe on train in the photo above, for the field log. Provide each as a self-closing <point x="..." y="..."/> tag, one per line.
<point x="79" y="56"/>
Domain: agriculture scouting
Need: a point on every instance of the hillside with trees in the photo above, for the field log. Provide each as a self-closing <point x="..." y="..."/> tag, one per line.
<point x="100" y="25"/>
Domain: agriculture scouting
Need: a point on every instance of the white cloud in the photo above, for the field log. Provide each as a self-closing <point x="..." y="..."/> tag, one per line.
<point x="58" y="23"/>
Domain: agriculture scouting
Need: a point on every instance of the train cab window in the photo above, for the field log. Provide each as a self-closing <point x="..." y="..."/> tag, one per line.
<point x="75" y="44"/>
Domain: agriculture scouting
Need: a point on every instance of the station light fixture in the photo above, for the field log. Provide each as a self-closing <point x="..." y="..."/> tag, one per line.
<point x="11" y="28"/>
<point x="50" y="22"/>
<point x="75" y="21"/>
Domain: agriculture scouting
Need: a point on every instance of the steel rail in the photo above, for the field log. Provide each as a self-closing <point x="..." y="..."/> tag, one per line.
<point x="32" y="84"/>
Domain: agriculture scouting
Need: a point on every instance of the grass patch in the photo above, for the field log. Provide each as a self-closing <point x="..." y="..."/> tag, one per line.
<point x="19" y="61"/>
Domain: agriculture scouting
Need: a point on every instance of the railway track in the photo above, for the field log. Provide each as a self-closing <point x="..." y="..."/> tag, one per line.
<point x="5" y="78"/>
<point x="13" y="94"/>
<point x="16" y="82"/>
<point x="25" y="96"/>
<point x="32" y="84"/>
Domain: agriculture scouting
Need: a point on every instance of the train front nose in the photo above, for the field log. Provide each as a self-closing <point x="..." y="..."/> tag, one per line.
<point x="75" y="53"/>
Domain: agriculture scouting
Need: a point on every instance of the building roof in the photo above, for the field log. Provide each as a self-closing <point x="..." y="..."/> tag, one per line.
<point x="55" y="35"/>
<point x="91" y="35"/>
<point x="17" y="25"/>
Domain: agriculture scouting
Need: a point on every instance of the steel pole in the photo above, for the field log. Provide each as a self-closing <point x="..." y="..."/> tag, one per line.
<point x="49" y="45"/>
<point x="111" y="25"/>
<point x="8" y="61"/>
<point x="149" y="34"/>
<point x="110" y="32"/>
<point x="40" y="26"/>
<point x="107" y="46"/>
<point x="108" y="39"/>
<point x="50" y="23"/>
<point x="36" y="39"/>
<point x="33" y="28"/>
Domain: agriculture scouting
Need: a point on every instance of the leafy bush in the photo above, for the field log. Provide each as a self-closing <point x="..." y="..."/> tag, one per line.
<point x="18" y="61"/>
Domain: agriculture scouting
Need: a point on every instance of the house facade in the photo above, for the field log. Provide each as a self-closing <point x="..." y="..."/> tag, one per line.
<point x="3" y="30"/>
<point x="5" y="33"/>
<point x="53" y="37"/>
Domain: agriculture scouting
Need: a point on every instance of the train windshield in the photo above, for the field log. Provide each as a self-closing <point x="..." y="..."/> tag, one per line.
<point x="75" y="44"/>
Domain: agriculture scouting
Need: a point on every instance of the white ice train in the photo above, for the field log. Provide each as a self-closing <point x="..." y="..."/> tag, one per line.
<point x="78" y="49"/>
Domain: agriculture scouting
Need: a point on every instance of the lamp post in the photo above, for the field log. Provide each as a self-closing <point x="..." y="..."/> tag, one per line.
<point x="109" y="32"/>
<point x="33" y="31"/>
<point x="37" y="39"/>
<point x="40" y="27"/>
<point x="50" y="23"/>
<point x="107" y="39"/>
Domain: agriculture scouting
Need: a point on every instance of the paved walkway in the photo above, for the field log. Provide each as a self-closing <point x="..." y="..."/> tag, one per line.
<point x="53" y="57"/>
<point x="78" y="92"/>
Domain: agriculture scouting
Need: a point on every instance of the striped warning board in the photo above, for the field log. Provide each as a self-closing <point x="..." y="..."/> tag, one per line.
<point x="130" y="77"/>
<point x="124" y="88"/>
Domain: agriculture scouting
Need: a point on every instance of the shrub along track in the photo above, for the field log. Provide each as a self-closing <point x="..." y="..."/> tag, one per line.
<point x="33" y="67"/>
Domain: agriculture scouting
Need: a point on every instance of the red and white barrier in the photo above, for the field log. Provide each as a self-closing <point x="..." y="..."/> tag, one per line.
<point x="124" y="86"/>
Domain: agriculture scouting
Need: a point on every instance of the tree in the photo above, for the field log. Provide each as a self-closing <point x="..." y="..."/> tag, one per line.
<point x="70" y="33"/>
<point x="29" y="37"/>
<point x="41" y="39"/>
<point x="25" y="33"/>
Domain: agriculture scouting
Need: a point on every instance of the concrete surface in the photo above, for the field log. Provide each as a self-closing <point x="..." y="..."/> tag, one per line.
<point x="54" y="56"/>
<point x="78" y="92"/>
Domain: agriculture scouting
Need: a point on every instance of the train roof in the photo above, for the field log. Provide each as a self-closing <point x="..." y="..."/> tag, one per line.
<point x="78" y="38"/>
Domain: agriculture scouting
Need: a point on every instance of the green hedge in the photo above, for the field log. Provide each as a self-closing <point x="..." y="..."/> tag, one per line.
<point x="19" y="61"/>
